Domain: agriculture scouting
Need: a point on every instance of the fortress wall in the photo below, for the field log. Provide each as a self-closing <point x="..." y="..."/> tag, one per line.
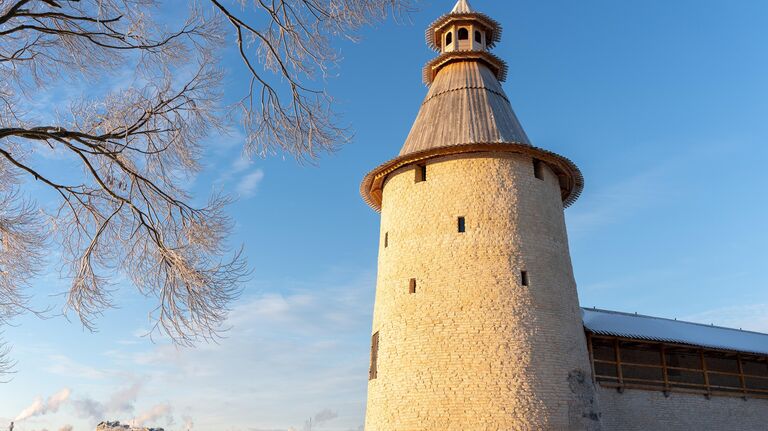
<point x="638" y="410"/>
<point x="474" y="349"/>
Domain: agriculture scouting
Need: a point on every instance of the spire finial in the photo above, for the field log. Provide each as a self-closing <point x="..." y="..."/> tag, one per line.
<point x="462" y="6"/>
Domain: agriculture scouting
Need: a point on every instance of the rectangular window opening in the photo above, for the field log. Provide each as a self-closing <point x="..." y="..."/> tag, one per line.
<point x="373" y="372"/>
<point x="386" y="239"/>
<point x="412" y="286"/>
<point x="538" y="169"/>
<point x="421" y="173"/>
<point x="462" y="225"/>
<point x="524" y="278"/>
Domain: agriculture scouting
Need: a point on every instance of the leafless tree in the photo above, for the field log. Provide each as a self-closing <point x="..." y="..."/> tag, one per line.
<point x="6" y="364"/>
<point x="127" y="212"/>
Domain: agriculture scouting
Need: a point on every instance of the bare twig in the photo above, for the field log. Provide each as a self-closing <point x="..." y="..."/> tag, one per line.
<point x="127" y="213"/>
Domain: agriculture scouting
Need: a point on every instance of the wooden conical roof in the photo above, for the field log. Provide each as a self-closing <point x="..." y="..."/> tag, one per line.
<point x="465" y="105"/>
<point x="467" y="111"/>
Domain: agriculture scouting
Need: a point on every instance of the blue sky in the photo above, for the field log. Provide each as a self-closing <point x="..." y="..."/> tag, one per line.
<point x="663" y="106"/>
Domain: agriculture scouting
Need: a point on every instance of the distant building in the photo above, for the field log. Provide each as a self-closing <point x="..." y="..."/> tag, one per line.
<point x="117" y="426"/>
<point x="477" y="324"/>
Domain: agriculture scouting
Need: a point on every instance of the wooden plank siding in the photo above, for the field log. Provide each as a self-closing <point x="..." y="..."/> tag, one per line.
<point x="688" y="371"/>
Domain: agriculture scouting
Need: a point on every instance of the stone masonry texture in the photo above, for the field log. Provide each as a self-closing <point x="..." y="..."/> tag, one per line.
<point x="473" y="349"/>
<point x="636" y="410"/>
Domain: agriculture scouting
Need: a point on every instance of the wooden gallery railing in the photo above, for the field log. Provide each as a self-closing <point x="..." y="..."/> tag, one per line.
<point x="625" y="363"/>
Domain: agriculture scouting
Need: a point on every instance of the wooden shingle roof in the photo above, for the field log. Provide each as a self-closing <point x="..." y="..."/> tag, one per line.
<point x="465" y="105"/>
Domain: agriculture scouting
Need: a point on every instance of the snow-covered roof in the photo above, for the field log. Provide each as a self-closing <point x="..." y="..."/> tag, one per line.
<point x="614" y="323"/>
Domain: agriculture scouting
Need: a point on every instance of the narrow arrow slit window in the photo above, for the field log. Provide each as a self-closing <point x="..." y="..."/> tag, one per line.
<point x="421" y="173"/>
<point x="374" y="372"/>
<point x="538" y="169"/>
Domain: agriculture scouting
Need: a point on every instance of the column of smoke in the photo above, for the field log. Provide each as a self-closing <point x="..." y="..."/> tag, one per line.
<point x="40" y="407"/>
<point x="188" y="424"/>
<point x="153" y="415"/>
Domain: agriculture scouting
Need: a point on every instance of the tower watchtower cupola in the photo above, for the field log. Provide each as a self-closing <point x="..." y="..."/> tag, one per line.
<point x="463" y="29"/>
<point x="464" y="35"/>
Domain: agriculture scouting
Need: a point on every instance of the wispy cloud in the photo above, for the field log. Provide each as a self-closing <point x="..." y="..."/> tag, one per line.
<point x="249" y="183"/>
<point x="241" y="172"/>
<point x="613" y="203"/>
<point x="64" y="366"/>
<point x="633" y="281"/>
<point x="296" y="350"/>
<point x="235" y="168"/>
<point x="752" y="317"/>
<point x="306" y="355"/>
<point x="120" y="402"/>
<point x="325" y="416"/>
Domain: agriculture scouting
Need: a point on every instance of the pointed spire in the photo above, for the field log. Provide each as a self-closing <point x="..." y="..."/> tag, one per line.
<point x="462" y="6"/>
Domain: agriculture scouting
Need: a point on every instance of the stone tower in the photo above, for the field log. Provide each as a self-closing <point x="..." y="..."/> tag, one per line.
<point x="477" y="324"/>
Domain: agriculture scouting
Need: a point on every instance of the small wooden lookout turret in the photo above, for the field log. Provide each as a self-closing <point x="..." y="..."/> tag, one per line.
<point x="463" y="30"/>
<point x="463" y="33"/>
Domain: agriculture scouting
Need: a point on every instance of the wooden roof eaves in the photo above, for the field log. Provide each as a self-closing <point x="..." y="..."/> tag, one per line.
<point x="569" y="175"/>
<point x="670" y="343"/>
<point x="498" y="66"/>
<point x="494" y="27"/>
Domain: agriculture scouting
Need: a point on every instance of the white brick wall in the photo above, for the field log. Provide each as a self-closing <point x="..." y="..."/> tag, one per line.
<point x="636" y="410"/>
<point x="473" y="349"/>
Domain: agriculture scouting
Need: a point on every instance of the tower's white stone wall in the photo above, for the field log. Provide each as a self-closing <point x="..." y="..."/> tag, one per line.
<point x="474" y="349"/>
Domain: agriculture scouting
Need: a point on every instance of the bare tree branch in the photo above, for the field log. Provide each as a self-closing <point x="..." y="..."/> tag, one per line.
<point x="6" y="363"/>
<point x="286" y="114"/>
<point x="127" y="213"/>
